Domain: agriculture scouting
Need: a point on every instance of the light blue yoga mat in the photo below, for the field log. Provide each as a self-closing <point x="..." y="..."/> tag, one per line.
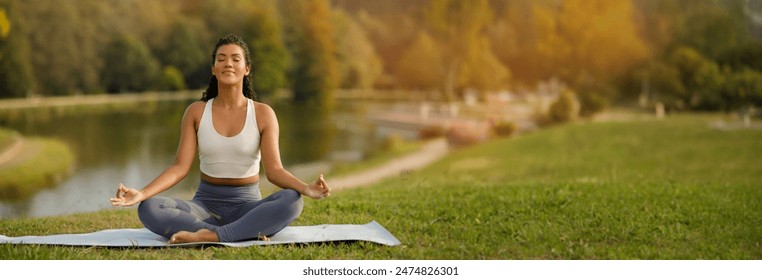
<point x="371" y="232"/>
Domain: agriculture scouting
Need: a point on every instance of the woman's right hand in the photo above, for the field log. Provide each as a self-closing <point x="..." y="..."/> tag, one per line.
<point x="126" y="196"/>
<point x="317" y="189"/>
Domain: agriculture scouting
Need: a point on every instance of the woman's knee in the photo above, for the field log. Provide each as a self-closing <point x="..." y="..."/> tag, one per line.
<point x="292" y="195"/>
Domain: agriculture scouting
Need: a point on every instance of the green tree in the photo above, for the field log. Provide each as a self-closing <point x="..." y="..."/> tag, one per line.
<point x="712" y="27"/>
<point x="698" y="74"/>
<point x="130" y="67"/>
<point x="172" y="79"/>
<point x="16" y="78"/>
<point x="185" y="53"/>
<point x="269" y="58"/>
<point x="742" y="90"/>
<point x="313" y="72"/>
<point x="666" y="85"/>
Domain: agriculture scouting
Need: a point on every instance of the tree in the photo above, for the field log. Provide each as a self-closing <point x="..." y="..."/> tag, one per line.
<point x="183" y="52"/>
<point x="602" y="38"/>
<point x="313" y="73"/>
<point x="130" y="67"/>
<point x="420" y="66"/>
<point x="712" y="28"/>
<point x="359" y="64"/>
<point x="269" y="59"/>
<point x="458" y="25"/>
<point x="172" y="79"/>
<point x="483" y="70"/>
<point x="390" y="33"/>
<point x="5" y="24"/>
<point x="16" y="78"/>
<point x="700" y="76"/>
<point x="742" y="90"/>
<point x="514" y="36"/>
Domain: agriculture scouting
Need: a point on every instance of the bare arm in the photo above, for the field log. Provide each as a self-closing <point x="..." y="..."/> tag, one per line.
<point x="186" y="152"/>
<point x="270" y="149"/>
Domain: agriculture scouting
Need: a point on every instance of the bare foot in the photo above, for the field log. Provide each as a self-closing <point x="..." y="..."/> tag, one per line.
<point x="202" y="235"/>
<point x="264" y="238"/>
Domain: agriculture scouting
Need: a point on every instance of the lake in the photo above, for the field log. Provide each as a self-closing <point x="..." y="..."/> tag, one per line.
<point x="132" y="144"/>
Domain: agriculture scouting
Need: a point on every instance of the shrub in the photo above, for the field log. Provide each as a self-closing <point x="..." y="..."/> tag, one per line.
<point x="504" y="128"/>
<point x="431" y="132"/>
<point x="565" y="108"/>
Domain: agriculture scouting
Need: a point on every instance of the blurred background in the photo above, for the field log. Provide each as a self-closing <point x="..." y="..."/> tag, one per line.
<point x="111" y="79"/>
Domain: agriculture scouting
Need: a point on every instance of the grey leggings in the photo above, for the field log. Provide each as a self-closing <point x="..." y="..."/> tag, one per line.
<point x="234" y="212"/>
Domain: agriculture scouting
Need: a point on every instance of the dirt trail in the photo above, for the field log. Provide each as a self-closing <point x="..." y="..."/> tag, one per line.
<point x="14" y="152"/>
<point x="429" y="153"/>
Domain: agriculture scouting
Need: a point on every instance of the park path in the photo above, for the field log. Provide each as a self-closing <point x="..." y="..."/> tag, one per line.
<point x="429" y="153"/>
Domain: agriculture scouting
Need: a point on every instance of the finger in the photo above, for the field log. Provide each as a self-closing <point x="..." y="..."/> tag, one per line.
<point x="119" y="189"/>
<point x="116" y="202"/>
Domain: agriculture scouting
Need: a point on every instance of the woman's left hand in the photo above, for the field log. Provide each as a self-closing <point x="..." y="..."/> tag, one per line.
<point x="317" y="189"/>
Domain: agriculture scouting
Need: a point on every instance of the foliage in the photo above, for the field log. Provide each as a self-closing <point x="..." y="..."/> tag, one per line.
<point x="458" y="27"/>
<point x="16" y="78"/>
<point x="689" y="80"/>
<point x="742" y="89"/>
<point x="269" y="58"/>
<point x="5" y="24"/>
<point x="431" y="132"/>
<point x="503" y="128"/>
<point x="184" y="52"/>
<point x="420" y="66"/>
<point x="313" y="47"/>
<point x="565" y="108"/>
<point x="129" y="66"/>
<point x="483" y="70"/>
<point x="313" y="73"/>
<point x="172" y="79"/>
<point x="360" y="66"/>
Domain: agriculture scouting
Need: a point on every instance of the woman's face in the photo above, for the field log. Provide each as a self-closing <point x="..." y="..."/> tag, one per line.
<point x="230" y="65"/>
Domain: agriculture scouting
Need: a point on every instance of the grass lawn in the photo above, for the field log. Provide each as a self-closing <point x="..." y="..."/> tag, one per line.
<point x="646" y="189"/>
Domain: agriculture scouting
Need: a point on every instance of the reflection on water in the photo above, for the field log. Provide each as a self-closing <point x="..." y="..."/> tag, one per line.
<point x="132" y="145"/>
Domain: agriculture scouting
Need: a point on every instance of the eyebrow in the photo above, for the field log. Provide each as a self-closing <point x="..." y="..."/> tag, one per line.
<point x="224" y="54"/>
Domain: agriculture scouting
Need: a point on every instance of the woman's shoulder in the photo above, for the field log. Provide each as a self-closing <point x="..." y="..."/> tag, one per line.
<point x="263" y="108"/>
<point x="196" y="108"/>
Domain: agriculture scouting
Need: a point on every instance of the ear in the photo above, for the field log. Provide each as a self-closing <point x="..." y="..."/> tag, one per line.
<point x="248" y="69"/>
<point x="212" y="69"/>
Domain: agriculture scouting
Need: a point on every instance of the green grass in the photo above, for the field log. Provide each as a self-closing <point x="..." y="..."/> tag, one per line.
<point x="670" y="189"/>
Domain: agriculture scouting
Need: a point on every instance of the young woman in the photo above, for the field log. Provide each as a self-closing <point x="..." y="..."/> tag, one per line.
<point x="232" y="133"/>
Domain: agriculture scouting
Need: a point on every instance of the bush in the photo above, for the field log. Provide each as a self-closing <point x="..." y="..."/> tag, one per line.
<point x="504" y="128"/>
<point x="431" y="132"/>
<point x="172" y="79"/>
<point x="565" y="108"/>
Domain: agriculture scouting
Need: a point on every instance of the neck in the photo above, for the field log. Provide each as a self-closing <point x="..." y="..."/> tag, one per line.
<point x="230" y="96"/>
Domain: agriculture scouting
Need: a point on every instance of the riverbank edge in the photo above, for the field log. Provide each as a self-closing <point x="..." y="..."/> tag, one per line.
<point x="97" y="99"/>
<point x="48" y="161"/>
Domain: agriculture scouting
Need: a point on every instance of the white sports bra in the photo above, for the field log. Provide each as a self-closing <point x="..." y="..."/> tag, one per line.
<point x="229" y="157"/>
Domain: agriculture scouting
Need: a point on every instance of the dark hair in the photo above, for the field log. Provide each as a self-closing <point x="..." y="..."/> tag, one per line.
<point x="248" y="89"/>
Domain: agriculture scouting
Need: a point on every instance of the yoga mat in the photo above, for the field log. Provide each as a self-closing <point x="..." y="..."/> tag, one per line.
<point x="372" y="232"/>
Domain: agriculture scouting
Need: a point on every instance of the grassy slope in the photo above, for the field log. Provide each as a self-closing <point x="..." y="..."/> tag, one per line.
<point x="672" y="189"/>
